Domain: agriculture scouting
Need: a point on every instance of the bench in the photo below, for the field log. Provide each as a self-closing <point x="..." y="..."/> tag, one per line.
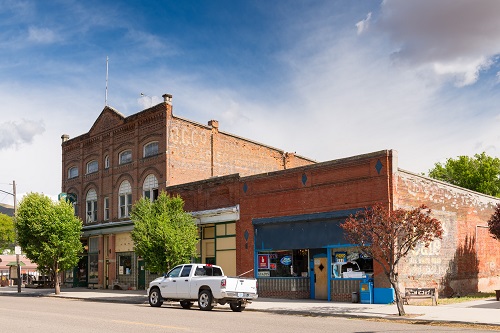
<point x="420" y="293"/>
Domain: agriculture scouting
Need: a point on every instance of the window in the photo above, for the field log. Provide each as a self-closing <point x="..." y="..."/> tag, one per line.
<point x="151" y="149"/>
<point x="73" y="172"/>
<point x="106" y="162"/>
<point x="150" y="188"/>
<point x="125" y="157"/>
<point x="91" y="206"/>
<point x="92" y="167"/>
<point x="186" y="270"/>
<point x="106" y="208"/>
<point x="125" y="265"/>
<point x="93" y="260"/>
<point x="208" y="271"/>
<point x="125" y="199"/>
<point x="174" y="272"/>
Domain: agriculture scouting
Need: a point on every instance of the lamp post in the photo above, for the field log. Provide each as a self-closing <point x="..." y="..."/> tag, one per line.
<point x="17" y="249"/>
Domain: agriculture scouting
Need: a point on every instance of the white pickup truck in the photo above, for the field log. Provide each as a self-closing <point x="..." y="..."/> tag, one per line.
<point x="204" y="283"/>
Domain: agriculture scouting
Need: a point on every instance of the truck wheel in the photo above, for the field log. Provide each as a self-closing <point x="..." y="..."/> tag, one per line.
<point x="155" y="297"/>
<point x="237" y="307"/>
<point x="186" y="304"/>
<point x="205" y="300"/>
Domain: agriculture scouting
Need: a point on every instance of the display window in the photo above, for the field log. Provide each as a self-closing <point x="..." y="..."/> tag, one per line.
<point x="284" y="263"/>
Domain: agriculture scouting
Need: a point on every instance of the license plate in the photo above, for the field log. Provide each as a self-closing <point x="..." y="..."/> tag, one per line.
<point x="240" y="294"/>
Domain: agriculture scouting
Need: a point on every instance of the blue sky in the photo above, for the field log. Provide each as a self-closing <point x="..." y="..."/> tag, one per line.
<point x="325" y="79"/>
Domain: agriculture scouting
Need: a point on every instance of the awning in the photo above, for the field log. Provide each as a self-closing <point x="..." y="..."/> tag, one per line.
<point x="14" y="263"/>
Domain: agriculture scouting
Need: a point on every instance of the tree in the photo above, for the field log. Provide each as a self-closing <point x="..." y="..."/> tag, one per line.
<point x="494" y="223"/>
<point x="164" y="234"/>
<point x="388" y="236"/>
<point x="49" y="234"/>
<point x="7" y="232"/>
<point x="480" y="173"/>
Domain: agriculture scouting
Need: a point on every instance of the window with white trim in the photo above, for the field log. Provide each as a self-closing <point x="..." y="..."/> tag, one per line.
<point x="106" y="162"/>
<point x="150" y="149"/>
<point x="73" y="172"/>
<point x="91" y="206"/>
<point x="124" y="199"/>
<point x="150" y="188"/>
<point x="106" y="208"/>
<point x="125" y="156"/>
<point x="92" y="167"/>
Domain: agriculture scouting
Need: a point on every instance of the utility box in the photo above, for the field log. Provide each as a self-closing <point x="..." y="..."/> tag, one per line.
<point x="366" y="292"/>
<point x="383" y="295"/>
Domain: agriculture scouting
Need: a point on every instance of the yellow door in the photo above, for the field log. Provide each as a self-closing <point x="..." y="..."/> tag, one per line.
<point x="320" y="278"/>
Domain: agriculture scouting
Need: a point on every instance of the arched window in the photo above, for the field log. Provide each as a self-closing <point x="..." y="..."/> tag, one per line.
<point x="150" y="188"/>
<point x="124" y="199"/>
<point x="150" y="149"/>
<point x="73" y="172"/>
<point x="92" y="167"/>
<point x="106" y="162"/>
<point x="91" y="206"/>
<point x="125" y="156"/>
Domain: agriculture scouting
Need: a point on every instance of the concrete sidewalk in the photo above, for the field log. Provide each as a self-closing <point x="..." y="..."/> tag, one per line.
<point x="482" y="312"/>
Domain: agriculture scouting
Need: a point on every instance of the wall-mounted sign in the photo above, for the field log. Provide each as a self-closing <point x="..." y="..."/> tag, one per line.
<point x="264" y="274"/>
<point x="263" y="261"/>
<point x="340" y="256"/>
<point x="286" y="260"/>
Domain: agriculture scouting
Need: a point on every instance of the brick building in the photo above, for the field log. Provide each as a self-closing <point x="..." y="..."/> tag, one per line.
<point x="263" y="212"/>
<point x="123" y="158"/>
<point x="295" y="214"/>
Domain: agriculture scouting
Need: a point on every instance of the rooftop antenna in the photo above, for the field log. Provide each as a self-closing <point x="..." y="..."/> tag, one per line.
<point x="106" y="95"/>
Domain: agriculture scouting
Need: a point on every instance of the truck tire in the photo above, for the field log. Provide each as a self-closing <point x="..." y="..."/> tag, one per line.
<point x="237" y="306"/>
<point x="186" y="304"/>
<point x="205" y="300"/>
<point x="155" y="297"/>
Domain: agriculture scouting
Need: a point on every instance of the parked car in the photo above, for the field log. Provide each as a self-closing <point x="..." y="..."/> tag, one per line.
<point x="204" y="283"/>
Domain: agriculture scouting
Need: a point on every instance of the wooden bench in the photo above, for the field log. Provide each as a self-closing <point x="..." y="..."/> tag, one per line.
<point x="420" y="293"/>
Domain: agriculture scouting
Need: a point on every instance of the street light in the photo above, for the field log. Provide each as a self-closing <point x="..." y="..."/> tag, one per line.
<point x="17" y="249"/>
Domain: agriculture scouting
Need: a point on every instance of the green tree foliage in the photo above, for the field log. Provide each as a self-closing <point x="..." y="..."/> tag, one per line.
<point x="494" y="223"/>
<point x="388" y="236"/>
<point x="164" y="234"/>
<point x="480" y="173"/>
<point x="7" y="232"/>
<point x="49" y="234"/>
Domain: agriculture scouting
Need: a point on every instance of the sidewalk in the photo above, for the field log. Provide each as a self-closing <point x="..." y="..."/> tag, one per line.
<point x="483" y="312"/>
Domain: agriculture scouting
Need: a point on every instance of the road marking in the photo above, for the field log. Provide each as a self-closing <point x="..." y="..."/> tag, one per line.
<point x="152" y="325"/>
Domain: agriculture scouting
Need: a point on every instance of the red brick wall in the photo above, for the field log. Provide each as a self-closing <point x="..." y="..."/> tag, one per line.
<point x="467" y="258"/>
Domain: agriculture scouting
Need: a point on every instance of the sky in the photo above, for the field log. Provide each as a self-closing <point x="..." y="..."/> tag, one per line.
<point x="325" y="79"/>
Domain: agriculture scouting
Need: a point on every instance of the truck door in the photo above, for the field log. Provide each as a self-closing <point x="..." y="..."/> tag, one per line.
<point x="183" y="282"/>
<point x="168" y="286"/>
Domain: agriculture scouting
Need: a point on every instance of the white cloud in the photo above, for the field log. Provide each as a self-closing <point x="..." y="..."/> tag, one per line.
<point x="15" y="134"/>
<point x="454" y="38"/>
<point x="42" y="35"/>
<point x="364" y="24"/>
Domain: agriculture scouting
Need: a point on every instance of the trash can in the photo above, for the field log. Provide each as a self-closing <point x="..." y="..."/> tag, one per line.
<point x="355" y="297"/>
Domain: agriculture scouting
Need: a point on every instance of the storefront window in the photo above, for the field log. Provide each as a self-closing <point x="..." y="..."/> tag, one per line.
<point x="286" y="263"/>
<point x="93" y="271"/>
<point x="125" y="265"/>
<point x="351" y="264"/>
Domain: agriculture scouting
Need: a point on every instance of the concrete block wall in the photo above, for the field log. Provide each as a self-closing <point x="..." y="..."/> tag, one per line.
<point x="467" y="258"/>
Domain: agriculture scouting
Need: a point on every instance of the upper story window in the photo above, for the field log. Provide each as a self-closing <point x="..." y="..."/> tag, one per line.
<point x="92" y="167"/>
<point x="151" y="149"/>
<point x="150" y="188"/>
<point x="73" y="172"/>
<point x="106" y="208"/>
<point x="91" y="206"/>
<point x="106" y="162"/>
<point x="124" y="199"/>
<point x="125" y="156"/>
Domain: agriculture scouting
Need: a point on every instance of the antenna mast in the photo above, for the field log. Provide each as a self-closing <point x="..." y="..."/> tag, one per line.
<point x="106" y="97"/>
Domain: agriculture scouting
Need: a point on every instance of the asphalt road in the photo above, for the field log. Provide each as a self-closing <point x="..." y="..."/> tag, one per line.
<point x="50" y="314"/>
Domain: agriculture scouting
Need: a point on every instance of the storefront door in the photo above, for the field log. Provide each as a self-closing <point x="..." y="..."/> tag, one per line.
<point x="141" y="285"/>
<point x="320" y="278"/>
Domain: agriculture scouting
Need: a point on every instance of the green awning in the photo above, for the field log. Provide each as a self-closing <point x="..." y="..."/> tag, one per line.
<point x="14" y="263"/>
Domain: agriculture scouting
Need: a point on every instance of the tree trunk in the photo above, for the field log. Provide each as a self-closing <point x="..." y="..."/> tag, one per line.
<point x="399" y="301"/>
<point x="56" y="280"/>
